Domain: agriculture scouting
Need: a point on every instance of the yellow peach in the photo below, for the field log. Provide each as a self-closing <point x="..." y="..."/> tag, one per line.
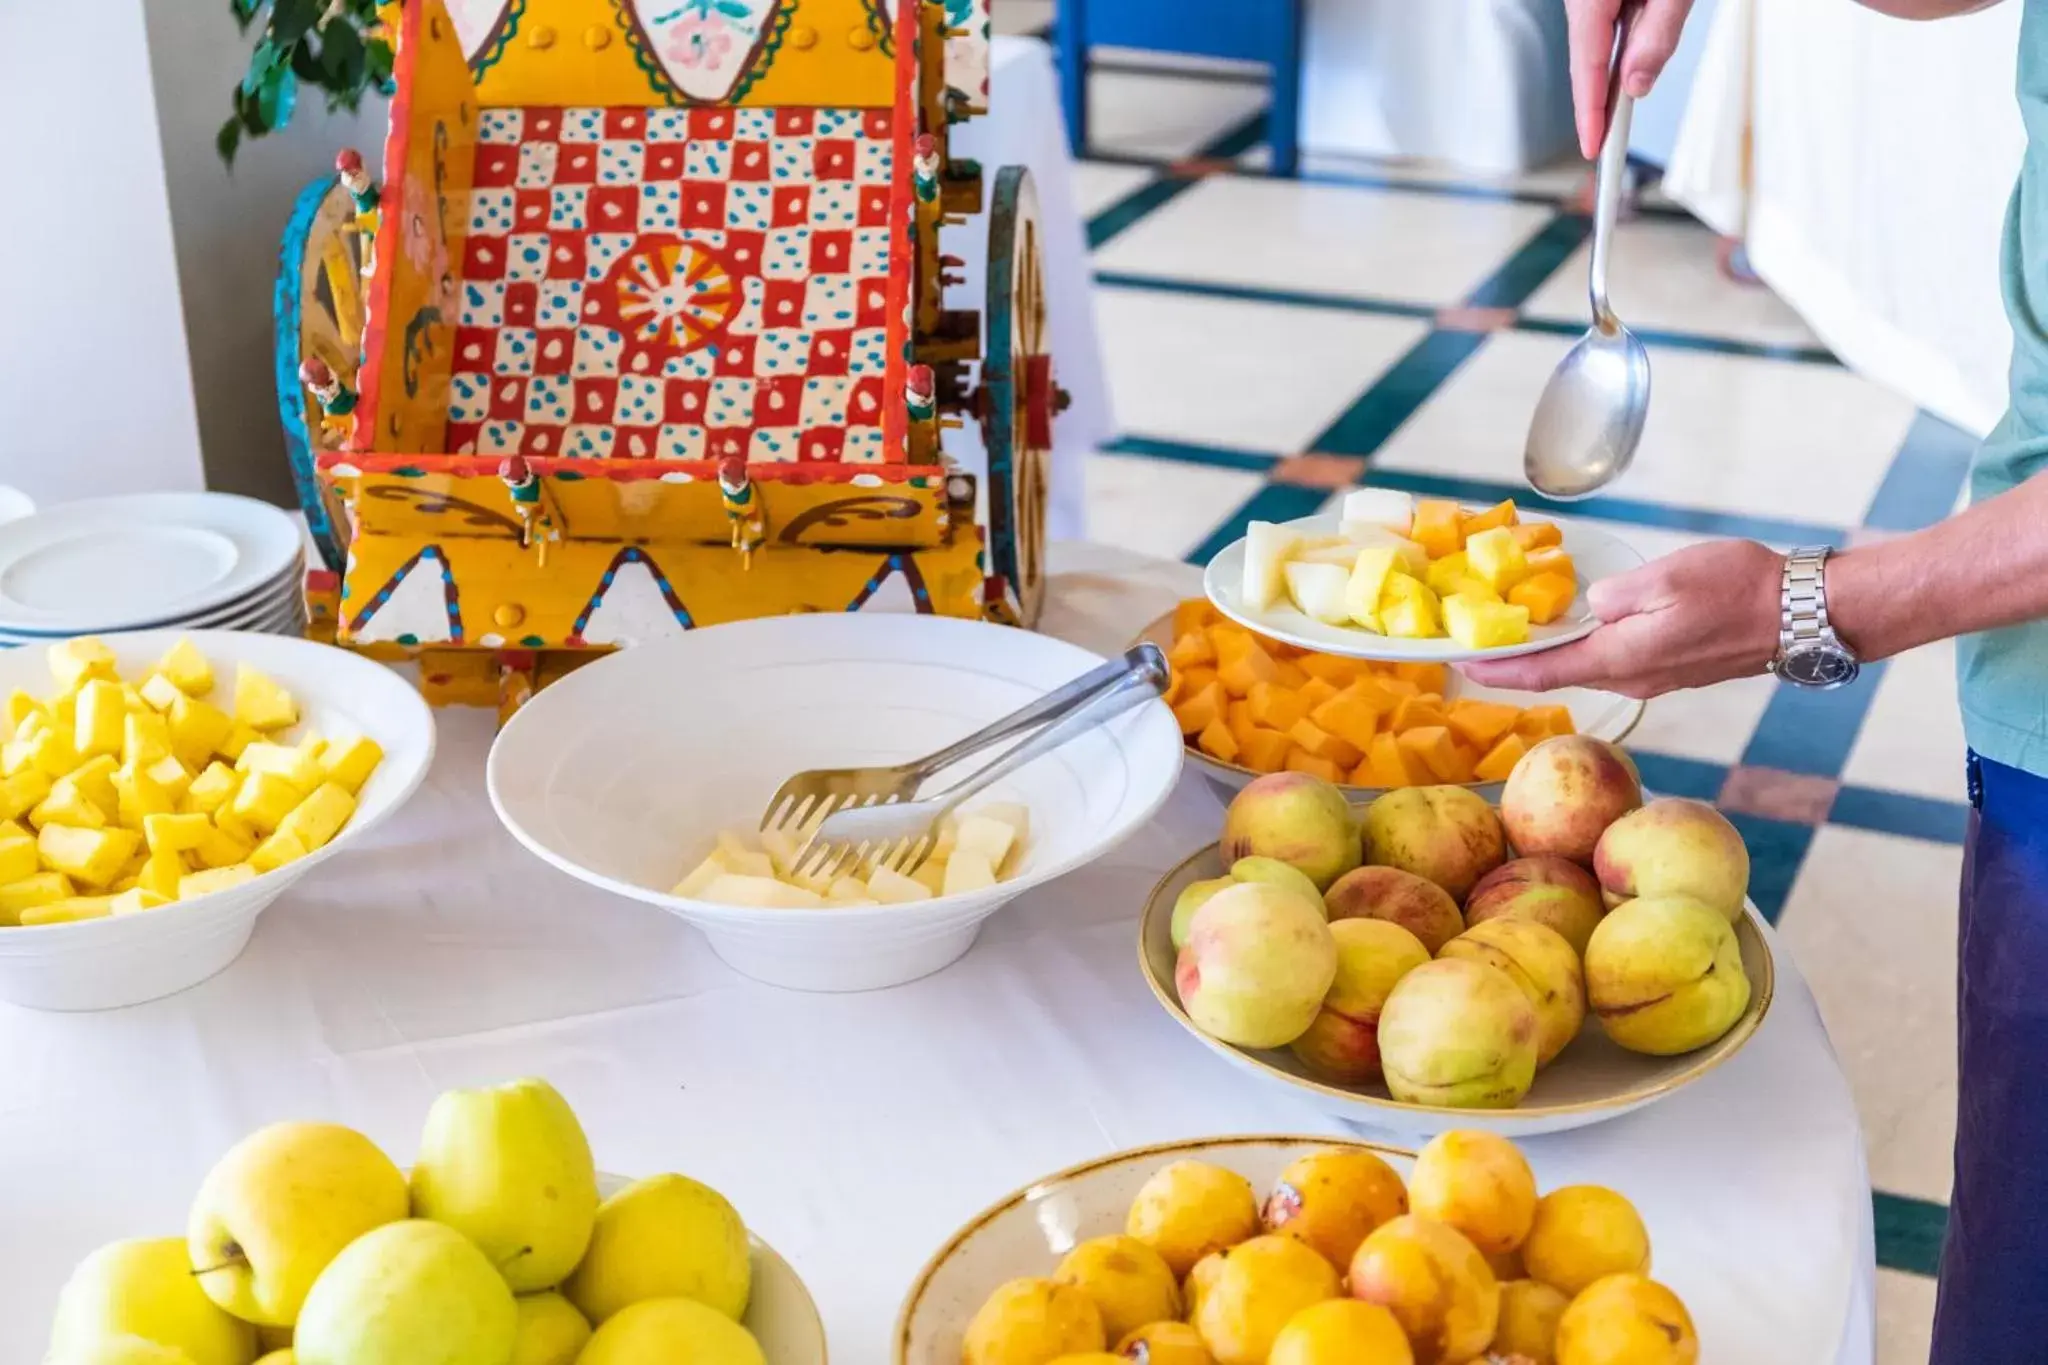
<point x="1165" y="1343"/>
<point x="1529" y="1310"/>
<point x="1032" y="1322"/>
<point x="1331" y="1199"/>
<point x="1129" y="1281"/>
<point x="1190" y="1208"/>
<point x="1584" y="1232"/>
<point x="1260" y="1285"/>
<point x="1477" y="1183"/>
<point x="1342" y="1332"/>
<point x="1435" y="1283"/>
<point x="1626" y="1320"/>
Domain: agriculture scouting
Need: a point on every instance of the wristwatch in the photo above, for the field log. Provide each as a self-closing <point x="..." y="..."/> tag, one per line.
<point x="1810" y="654"/>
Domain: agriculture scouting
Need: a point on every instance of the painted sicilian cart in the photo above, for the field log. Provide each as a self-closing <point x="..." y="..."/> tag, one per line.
<point x="644" y="329"/>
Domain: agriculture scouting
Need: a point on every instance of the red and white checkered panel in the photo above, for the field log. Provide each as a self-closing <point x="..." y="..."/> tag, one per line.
<point x="679" y="284"/>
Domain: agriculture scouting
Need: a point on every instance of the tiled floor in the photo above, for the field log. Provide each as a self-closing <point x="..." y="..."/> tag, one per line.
<point x="1396" y="323"/>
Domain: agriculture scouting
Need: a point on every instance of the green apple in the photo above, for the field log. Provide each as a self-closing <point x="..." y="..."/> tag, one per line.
<point x="509" y="1168"/>
<point x="121" y="1350"/>
<point x="146" y="1288"/>
<point x="671" y="1329"/>
<point x="279" y="1206"/>
<point x="664" y="1237"/>
<point x="408" y="1293"/>
<point x="1193" y="897"/>
<point x="551" y="1331"/>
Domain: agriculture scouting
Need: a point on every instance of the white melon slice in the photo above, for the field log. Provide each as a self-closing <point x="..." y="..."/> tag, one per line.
<point x="931" y="875"/>
<point x="893" y="888"/>
<point x="1343" y="554"/>
<point x="968" y="871"/>
<point x="1266" y="550"/>
<point x="1380" y="507"/>
<point x="1318" y="589"/>
<point x="701" y="876"/>
<point x="1015" y="814"/>
<point x="1368" y="537"/>
<point x="763" y="893"/>
<point x="990" y="838"/>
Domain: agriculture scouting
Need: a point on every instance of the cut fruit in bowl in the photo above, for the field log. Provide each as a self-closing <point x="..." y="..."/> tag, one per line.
<point x="1390" y="577"/>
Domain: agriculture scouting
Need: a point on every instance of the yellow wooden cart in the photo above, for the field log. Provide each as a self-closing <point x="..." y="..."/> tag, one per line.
<point x="644" y="329"/>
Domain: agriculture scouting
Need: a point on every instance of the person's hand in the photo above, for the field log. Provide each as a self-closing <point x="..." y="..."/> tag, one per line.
<point x="1650" y="44"/>
<point x="1700" y="616"/>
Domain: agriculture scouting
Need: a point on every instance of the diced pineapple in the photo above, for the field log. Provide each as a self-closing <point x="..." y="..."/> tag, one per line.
<point x="992" y="839"/>
<point x="1318" y="589"/>
<point x="1409" y="555"/>
<point x="847" y="889"/>
<point x="68" y="911"/>
<point x="135" y="899"/>
<point x="264" y="799"/>
<point x="220" y="849"/>
<point x="22" y="792"/>
<point x="235" y="827"/>
<point x="279" y="849"/>
<point x="141" y="796"/>
<point x="159" y="692"/>
<point x="349" y="763"/>
<point x="175" y="833"/>
<point x="1478" y="624"/>
<point x="145" y="738"/>
<point x="16" y="755"/>
<point x="741" y="860"/>
<point x="1497" y="560"/>
<point x="161" y="873"/>
<point x="188" y="668"/>
<point x="288" y="761"/>
<point x="53" y="752"/>
<point x="67" y="805"/>
<point x="967" y="870"/>
<point x="91" y="856"/>
<point x="199" y="729"/>
<point x="893" y="888"/>
<point x="1408" y="609"/>
<point x="41" y="888"/>
<point x="764" y="893"/>
<point x="1367" y="582"/>
<point x="211" y="790"/>
<point x="72" y="662"/>
<point x="214" y="879"/>
<point x="260" y="703"/>
<point x="171" y="775"/>
<point x="101" y="711"/>
<point x="238" y="738"/>
<point x="318" y="818"/>
<point x="95" y="777"/>
<point x="18" y="707"/>
<point x="18" y="859"/>
<point x="1445" y="574"/>
<point x="782" y="848"/>
<point x="931" y="874"/>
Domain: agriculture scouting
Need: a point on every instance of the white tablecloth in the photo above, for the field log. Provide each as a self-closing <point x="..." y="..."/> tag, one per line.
<point x="1024" y="127"/>
<point x="854" y="1132"/>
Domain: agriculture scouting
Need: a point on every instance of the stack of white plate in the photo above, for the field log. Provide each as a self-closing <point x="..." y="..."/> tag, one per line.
<point x="150" y="561"/>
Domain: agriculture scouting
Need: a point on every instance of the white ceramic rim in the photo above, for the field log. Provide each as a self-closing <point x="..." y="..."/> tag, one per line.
<point x="272" y="597"/>
<point x="267" y="540"/>
<point x="1592" y="549"/>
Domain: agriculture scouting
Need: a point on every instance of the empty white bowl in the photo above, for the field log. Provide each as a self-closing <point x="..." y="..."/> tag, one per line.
<point x="127" y="959"/>
<point x="623" y="773"/>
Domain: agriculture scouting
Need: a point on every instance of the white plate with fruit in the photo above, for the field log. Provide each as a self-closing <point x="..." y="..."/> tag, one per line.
<point x="159" y="789"/>
<point x="503" y="1242"/>
<point x="1395" y="577"/>
<point x="1372" y="726"/>
<point x="1436" y="981"/>
<point x="1298" y="1251"/>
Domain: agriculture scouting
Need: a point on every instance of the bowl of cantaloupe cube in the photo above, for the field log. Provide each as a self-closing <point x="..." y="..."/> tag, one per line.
<point x="1391" y="576"/>
<point x="159" y="789"/>
<point x="1248" y="705"/>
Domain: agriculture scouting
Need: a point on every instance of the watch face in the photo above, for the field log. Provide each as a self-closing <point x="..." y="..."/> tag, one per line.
<point x="1819" y="666"/>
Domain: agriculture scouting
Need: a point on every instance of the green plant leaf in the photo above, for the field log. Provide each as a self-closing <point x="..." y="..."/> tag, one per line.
<point x="245" y="12"/>
<point x="277" y="97"/>
<point x="306" y="63"/>
<point x="342" y="60"/>
<point x="291" y="20"/>
<point x="228" y="139"/>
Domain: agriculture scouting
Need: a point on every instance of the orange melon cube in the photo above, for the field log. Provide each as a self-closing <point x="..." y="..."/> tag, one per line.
<point x="1437" y="527"/>
<point x="1217" y="742"/>
<point x="1273" y="706"/>
<point x="1417" y="712"/>
<point x="1237" y="675"/>
<point x="1315" y="692"/>
<point x="1501" y="759"/>
<point x="1546" y="595"/>
<point x="1302" y="761"/>
<point x="1536" y="535"/>
<point x="1190" y="651"/>
<point x="1237" y="717"/>
<point x="1193" y="615"/>
<point x="1265" y="751"/>
<point x="1550" y="559"/>
<point x="1428" y="677"/>
<point x="1330" y="668"/>
<point x="1174" y="681"/>
<point x="1309" y="736"/>
<point x="1500" y="514"/>
<point x="1393" y="766"/>
<point x="1289" y="672"/>
<point x="1481" y="723"/>
<point x="1381" y="693"/>
<point x="1541" y="722"/>
<point x="1200" y="710"/>
<point x="1231" y="642"/>
<point x="1349" y="717"/>
<point x="1433" y="747"/>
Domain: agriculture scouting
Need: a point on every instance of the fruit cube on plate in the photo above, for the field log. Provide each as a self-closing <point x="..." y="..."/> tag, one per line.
<point x="318" y="818"/>
<point x="1416" y="710"/>
<point x="69" y="911"/>
<point x="1217" y="741"/>
<point x="18" y="707"/>
<point x="1496" y="559"/>
<point x="1546" y="595"/>
<point x="161" y="873"/>
<point x="68" y="805"/>
<point x="1265" y="750"/>
<point x="1408" y="609"/>
<point x="1393" y="766"/>
<point x="135" y="900"/>
<point x="1350" y="716"/>
<point x="18" y="858"/>
<point x="40" y="888"/>
<point x="1379" y="507"/>
<point x="1366" y="587"/>
<point x="1500" y="514"/>
<point x="199" y="729"/>
<point x="847" y="889"/>
<point x="221" y="848"/>
<point x="1480" y="723"/>
<point x="1437" y="526"/>
<point x="1274" y="707"/>
<point x="97" y="725"/>
<point x="294" y="763"/>
<point x="141" y="796"/>
<point x="214" y="879"/>
<point x="1439" y="753"/>
<point x="1501" y="759"/>
<point x="967" y="871"/>
<point x="239" y="737"/>
<point x="893" y="888"/>
<point x="92" y="856"/>
<point x="1550" y="559"/>
<point x="184" y="665"/>
<point x="1318" y="589"/>
<point x="1409" y="555"/>
<point x="1299" y="760"/>
<point x="260" y="703"/>
<point x="263" y="800"/>
<point x="1478" y="624"/>
<point x="95" y="777"/>
<point x="211" y="790"/>
<point x="1015" y="814"/>
<point x="1536" y="535"/>
<point x="72" y="662"/>
<point x="1245" y="668"/>
<point x="174" y="833"/>
<point x="1198" y="712"/>
<point x="931" y="875"/>
<point x="1193" y="614"/>
<point x="52" y="751"/>
<point x="159" y="692"/>
<point x="992" y="839"/>
<point x="1266" y="550"/>
<point x="22" y="792"/>
<point x="1541" y="722"/>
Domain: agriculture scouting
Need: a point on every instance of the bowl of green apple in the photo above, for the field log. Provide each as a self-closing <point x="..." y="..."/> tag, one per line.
<point x="307" y="1245"/>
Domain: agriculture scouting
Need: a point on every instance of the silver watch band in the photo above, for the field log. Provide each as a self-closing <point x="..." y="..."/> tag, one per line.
<point x="1803" y="600"/>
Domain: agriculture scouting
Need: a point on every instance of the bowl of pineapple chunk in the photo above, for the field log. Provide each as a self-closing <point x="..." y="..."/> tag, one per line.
<point x="1391" y="576"/>
<point x="647" y="773"/>
<point x="159" y="789"/>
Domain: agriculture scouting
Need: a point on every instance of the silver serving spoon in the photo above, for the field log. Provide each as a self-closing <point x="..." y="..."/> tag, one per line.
<point x="1591" y="414"/>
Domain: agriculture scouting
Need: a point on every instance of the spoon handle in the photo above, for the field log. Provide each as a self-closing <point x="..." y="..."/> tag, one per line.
<point x="1610" y="178"/>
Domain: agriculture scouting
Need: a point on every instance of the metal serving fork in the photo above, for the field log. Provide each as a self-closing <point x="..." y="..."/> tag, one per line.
<point x="901" y="834"/>
<point x="809" y="797"/>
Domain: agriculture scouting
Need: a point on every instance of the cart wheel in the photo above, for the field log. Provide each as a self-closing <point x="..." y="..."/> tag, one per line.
<point x="319" y="309"/>
<point x="1018" y="397"/>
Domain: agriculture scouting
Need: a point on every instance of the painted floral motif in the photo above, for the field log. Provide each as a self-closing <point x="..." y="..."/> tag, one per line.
<point x="705" y="46"/>
<point x="475" y="21"/>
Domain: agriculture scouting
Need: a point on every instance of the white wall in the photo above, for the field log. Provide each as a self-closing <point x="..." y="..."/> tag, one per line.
<point x="95" y="385"/>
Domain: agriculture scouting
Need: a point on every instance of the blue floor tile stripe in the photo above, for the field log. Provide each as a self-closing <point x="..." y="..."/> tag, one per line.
<point x="1812" y="732"/>
<point x="1925" y="476"/>
<point x="1692" y="341"/>
<point x="1909" y="1232"/>
<point x="1274" y="502"/>
<point x="1911" y="817"/>
<point x="1777" y="849"/>
<point x="1186" y="452"/>
<point x="1405" y="386"/>
<point x="1671" y="775"/>
<point x="1155" y="193"/>
<point x="1535" y="261"/>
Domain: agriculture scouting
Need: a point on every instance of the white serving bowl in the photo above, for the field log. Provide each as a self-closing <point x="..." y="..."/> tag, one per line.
<point x="622" y="773"/>
<point x="127" y="959"/>
<point x="1029" y="1232"/>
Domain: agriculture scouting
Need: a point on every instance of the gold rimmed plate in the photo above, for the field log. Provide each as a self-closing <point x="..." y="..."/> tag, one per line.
<point x="1603" y="715"/>
<point x="1026" y="1233"/>
<point x="1591" y="1081"/>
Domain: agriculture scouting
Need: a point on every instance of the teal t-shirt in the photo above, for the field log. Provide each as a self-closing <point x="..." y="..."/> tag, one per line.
<point x="2004" y="673"/>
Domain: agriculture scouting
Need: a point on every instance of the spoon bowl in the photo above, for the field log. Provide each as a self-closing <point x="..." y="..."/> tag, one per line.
<point x="1590" y="417"/>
